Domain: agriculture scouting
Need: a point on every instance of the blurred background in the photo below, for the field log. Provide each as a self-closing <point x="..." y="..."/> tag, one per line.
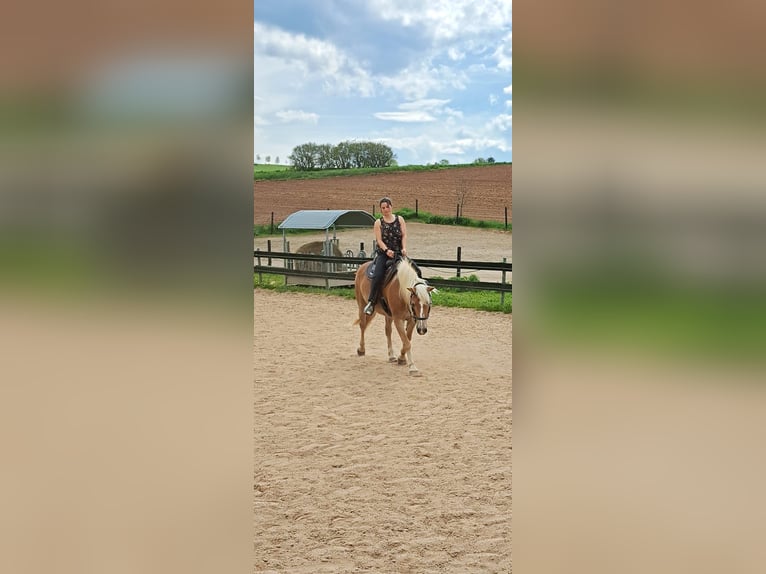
<point x="126" y="287"/>
<point x="640" y="323"/>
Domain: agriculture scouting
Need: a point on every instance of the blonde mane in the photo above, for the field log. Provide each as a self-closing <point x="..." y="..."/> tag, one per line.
<point x="407" y="278"/>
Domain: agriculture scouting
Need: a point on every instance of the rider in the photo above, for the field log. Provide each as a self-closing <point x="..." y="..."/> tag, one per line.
<point x="390" y="237"/>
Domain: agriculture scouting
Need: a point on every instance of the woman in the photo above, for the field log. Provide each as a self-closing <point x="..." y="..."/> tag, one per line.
<point x="390" y="237"/>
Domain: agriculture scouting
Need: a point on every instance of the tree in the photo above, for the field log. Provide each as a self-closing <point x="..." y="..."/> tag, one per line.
<point x="342" y="155"/>
<point x="490" y="159"/>
<point x="325" y="158"/>
<point x="345" y="155"/>
<point x="276" y="160"/>
<point x="258" y="157"/>
<point x="462" y="191"/>
<point x="304" y="156"/>
<point x="444" y="162"/>
<point x="268" y="159"/>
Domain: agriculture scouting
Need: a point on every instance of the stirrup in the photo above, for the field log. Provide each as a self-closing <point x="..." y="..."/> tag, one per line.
<point x="369" y="308"/>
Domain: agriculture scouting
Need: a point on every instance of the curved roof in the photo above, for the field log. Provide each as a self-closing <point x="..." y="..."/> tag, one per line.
<point x="326" y="218"/>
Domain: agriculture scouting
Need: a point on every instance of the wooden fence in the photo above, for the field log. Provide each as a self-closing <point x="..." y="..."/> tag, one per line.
<point x="341" y="270"/>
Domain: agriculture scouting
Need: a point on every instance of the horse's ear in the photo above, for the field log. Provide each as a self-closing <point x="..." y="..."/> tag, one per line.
<point x="430" y="288"/>
<point x="411" y="290"/>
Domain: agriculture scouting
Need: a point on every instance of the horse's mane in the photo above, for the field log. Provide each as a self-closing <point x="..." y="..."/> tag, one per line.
<point x="407" y="278"/>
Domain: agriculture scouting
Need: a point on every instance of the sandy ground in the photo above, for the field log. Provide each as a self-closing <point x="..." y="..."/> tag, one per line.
<point x="360" y="467"/>
<point x="424" y="242"/>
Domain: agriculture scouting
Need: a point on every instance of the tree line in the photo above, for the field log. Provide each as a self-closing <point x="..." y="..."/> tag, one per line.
<point x="345" y="155"/>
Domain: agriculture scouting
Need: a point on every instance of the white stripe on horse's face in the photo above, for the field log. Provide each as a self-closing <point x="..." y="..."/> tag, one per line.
<point x="421" y="307"/>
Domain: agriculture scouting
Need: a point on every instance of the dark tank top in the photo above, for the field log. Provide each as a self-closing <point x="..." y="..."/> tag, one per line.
<point x="391" y="234"/>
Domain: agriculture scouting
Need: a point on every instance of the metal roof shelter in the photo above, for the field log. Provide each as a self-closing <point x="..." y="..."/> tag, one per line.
<point x="325" y="219"/>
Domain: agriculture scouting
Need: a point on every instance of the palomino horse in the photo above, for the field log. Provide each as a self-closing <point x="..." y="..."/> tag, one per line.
<point x="409" y="300"/>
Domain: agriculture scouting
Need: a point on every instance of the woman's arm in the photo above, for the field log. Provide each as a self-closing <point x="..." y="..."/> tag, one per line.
<point x="379" y="236"/>
<point x="404" y="235"/>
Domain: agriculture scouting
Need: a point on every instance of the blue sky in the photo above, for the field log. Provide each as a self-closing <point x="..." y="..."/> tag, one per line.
<point x="432" y="80"/>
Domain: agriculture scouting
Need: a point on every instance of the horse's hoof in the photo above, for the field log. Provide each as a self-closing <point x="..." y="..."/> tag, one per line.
<point x="392" y="359"/>
<point x="401" y="361"/>
<point x="360" y="352"/>
<point x="414" y="373"/>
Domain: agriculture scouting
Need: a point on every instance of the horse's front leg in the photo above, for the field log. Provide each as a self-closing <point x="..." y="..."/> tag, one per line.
<point x="406" y="356"/>
<point x="410" y="329"/>
<point x="391" y="354"/>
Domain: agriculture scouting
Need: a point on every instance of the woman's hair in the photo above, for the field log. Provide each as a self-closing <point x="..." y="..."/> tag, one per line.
<point x="385" y="200"/>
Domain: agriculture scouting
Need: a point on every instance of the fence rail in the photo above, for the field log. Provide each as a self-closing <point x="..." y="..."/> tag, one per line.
<point x="344" y="269"/>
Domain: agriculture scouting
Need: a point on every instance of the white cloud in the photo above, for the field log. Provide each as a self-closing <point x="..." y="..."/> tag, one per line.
<point x="413" y="116"/>
<point x="502" y="122"/>
<point x="422" y="110"/>
<point x="504" y="53"/>
<point x="424" y="104"/>
<point x="259" y="121"/>
<point x="340" y="72"/>
<point x="492" y="99"/>
<point x="447" y="19"/>
<point x="508" y="89"/>
<point x="297" y="116"/>
<point x="417" y="81"/>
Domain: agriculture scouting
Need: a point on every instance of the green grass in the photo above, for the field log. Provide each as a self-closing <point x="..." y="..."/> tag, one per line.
<point x="425" y="217"/>
<point x="268" y="168"/>
<point x="442" y="297"/>
<point x="286" y="172"/>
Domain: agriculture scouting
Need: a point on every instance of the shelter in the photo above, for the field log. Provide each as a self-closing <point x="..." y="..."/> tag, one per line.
<point x="323" y="219"/>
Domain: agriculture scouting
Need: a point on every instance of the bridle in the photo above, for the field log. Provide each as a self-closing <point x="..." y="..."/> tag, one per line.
<point x="412" y="305"/>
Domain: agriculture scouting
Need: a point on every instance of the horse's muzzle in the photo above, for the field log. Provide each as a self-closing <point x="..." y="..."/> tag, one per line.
<point x="422" y="329"/>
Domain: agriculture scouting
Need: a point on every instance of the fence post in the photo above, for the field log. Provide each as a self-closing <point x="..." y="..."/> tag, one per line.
<point x="457" y="217"/>
<point x="502" y="293"/>
<point x="268" y="247"/>
<point x="373" y="210"/>
<point x="272" y="226"/>
<point x="416" y="209"/>
<point x="506" y="218"/>
<point x="260" y="275"/>
<point x="459" y="249"/>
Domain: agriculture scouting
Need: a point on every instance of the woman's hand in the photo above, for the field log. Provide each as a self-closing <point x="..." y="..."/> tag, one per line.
<point x="389" y="253"/>
<point x="404" y="252"/>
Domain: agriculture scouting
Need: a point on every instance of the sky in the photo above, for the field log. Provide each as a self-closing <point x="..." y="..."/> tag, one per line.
<point x="432" y="80"/>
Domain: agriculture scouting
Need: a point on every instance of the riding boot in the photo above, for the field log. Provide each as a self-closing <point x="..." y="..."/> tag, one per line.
<point x="371" y="300"/>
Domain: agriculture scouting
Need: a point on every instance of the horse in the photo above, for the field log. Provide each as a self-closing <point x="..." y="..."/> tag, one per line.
<point x="408" y="298"/>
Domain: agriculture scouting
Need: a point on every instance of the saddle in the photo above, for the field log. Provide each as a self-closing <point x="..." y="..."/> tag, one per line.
<point x="390" y="270"/>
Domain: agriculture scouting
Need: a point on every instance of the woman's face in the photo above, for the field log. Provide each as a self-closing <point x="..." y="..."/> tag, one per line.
<point x="385" y="208"/>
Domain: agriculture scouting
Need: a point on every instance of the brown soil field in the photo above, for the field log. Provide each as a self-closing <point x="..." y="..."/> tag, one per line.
<point x="488" y="193"/>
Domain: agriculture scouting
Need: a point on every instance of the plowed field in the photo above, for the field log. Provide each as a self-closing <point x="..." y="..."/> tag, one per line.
<point x="487" y="193"/>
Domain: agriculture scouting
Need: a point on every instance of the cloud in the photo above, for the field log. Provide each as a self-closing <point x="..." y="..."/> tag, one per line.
<point x="412" y="116"/>
<point x="424" y="104"/>
<point x="340" y="72"/>
<point x="259" y="121"/>
<point x="502" y="122"/>
<point x="504" y="53"/>
<point x="422" y="110"/>
<point x="297" y="116"/>
<point x="508" y="89"/>
<point x="447" y="19"/>
<point x="492" y="99"/>
<point x="421" y="79"/>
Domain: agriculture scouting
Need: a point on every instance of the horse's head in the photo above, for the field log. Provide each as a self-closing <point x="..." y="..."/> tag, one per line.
<point x="420" y="305"/>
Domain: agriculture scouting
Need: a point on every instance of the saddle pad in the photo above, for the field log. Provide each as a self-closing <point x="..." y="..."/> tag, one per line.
<point x="371" y="269"/>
